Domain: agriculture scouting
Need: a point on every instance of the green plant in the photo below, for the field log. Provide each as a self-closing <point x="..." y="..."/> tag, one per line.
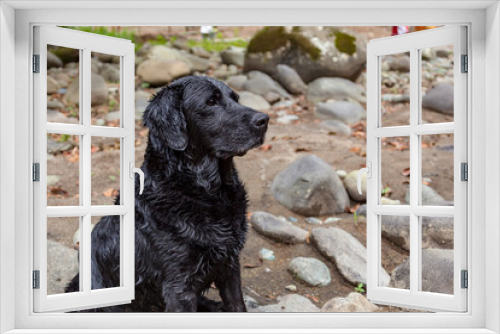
<point x="217" y="45"/>
<point x="355" y="219"/>
<point x="359" y="288"/>
<point x="386" y="190"/>
<point x="160" y="40"/>
<point x="64" y="137"/>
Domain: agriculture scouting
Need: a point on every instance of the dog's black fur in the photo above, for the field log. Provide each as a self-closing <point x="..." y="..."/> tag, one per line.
<point x="190" y="222"/>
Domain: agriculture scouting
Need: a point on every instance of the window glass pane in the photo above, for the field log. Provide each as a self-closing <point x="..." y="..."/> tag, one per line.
<point x="63" y="82"/>
<point x="62" y="253"/>
<point x="437" y="170"/>
<point x="394" y="167"/>
<point x="395" y="89"/>
<point x="396" y="250"/>
<point x="105" y="89"/>
<point x="105" y="173"/>
<point x="437" y="254"/>
<point x="63" y="169"/>
<point x="106" y="244"/>
<point x="437" y="84"/>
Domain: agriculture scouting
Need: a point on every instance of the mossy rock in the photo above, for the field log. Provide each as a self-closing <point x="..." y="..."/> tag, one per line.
<point x="313" y="52"/>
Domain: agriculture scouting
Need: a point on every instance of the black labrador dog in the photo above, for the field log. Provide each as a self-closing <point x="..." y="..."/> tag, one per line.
<point x="190" y="221"/>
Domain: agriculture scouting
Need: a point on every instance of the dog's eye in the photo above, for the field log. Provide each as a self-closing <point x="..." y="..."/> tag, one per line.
<point x="210" y="102"/>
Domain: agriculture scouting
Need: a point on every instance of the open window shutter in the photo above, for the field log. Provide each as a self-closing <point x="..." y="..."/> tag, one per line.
<point x="83" y="130"/>
<point x="417" y="214"/>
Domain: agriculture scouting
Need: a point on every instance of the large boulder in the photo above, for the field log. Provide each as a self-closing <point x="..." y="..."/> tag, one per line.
<point x="440" y="99"/>
<point x="346" y="252"/>
<point x="312" y="51"/>
<point x="345" y="111"/>
<point x="277" y="229"/>
<point x="324" y="89"/>
<point x="355" y="302"/>
<point x="62" y="266"/>
<point x="160" y="72"/>
<point x="437" y="272"/>
<point x="253" y="101"/>
<point x="311" y="187"/>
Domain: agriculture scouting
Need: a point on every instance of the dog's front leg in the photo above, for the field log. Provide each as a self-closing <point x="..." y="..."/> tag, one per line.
<point x="178" y="299"/>
<point x="229" y="284"/>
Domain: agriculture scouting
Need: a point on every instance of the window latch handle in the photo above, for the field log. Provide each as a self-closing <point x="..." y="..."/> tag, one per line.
<point x="368" y="171"/>
<point x="134" y="170"/>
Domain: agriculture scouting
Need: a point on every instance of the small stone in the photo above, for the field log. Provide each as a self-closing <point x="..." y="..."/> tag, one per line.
<point x="52" y="85"/>
<point x="267" y="254"/>
<point x="290" y="303"/>
<point x="262" y="84"/>
<point x="331" y="220"/>
<point x="355" y="302"/>
<point x="440" y="99"/>
<point x="341" y="173"/>
<point x="388" y="201"/>
<point x="267" y="270"/>
<point x="344" y="111"/>
<point x="52" y="179"/>
<point x="310" y="270"/>
<point x="337" y="127"/>
<point x="100" y="122"/>
<point x="351" y="185"/>
<point x="291" y="288"/>
<point x="253" y="101"/>
<point x="55" y="104"/>
<point x="324" y="89"/>
<point x="278" y="229"/>
<point x="283" y="104"/>
<point x="113" y="116"/>
<point x="286" y="119"/>
<point x="429" y="196"/>
<point x="233" y="55"/>
<point x="290" y="80"/>
<point x="313" y="221"/>
<point x="292" y="219"/>
<point x="237" y="81"/>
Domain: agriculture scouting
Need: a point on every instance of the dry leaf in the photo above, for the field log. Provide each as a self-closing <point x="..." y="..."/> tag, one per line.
<point x="355" y="149"/>
<point x="311" y="297"/>
<point x="307" y="237"/>
<point x="58" y="191"/>
<point x="354" y="208"/>
<point x="406" y="172"/>
<point x="265" y="147"/>
<point x="252" y="265"/>
<point x="94" y="149"/>
<point x="301" y="149"/>
<point x="110" y="192"/>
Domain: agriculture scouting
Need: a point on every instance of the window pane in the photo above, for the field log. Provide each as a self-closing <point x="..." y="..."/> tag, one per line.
<point x="395" y="89"/>
<point x="106" y="243"/>
<point x="63" y="82"/>
<point x="437" y="170"/>
<point x="395" y="252"/>
<point x="437" y="84"/>
<point x="437" y="254"/>
<point x="105" y="87"/>
<point x="394" y="167"/>
<point x="63" y="169"/>
<point x="105" y="173"/>
<point x="62" y="255"/>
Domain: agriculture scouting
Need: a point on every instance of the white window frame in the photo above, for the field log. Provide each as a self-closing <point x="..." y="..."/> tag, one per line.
<point x="483" y="20"/>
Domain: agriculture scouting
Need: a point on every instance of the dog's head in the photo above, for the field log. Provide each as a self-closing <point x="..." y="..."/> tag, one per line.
<point x="203" y="114"/>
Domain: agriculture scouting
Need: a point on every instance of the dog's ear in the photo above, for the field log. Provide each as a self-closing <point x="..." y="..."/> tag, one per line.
<point x="165" y="119"/>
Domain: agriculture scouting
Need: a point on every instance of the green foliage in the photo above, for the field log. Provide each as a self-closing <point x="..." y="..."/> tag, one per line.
<point x="112" y="177"/>
<point x="123" y="33"/>
<point x="64" y="137"/>
<point x="217" y="44"/>
<point x="355" y="219"/>
<point x="160" y="40"/>
<point x="145" y="85"/>
<point x="359" y="288"/>
<point x="273" y="38"/>
<point x="345" y="43"/>
<point x="386" y="190"/>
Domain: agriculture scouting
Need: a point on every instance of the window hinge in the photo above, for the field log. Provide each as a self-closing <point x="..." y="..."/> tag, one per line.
<point x="464" y="171"/>
<point x="36" y="63"/>
<point x="36" y="279"/>
<point x="465" y="279"/>
<point x="36" y="172"/>
<point x="465" y="64"/>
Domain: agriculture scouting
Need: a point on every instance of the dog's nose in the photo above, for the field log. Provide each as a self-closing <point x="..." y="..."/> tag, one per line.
<point x="260" y="121"/>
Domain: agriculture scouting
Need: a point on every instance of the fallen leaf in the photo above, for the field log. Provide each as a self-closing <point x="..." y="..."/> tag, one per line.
<point x="249" y="215"/>
<point x="265" y="147"/>
<point x="311" y="297"/>
<point x="406" y="172"/>
<point x="359" y="134"/>
<point x="252" y="265"/>
<point x="354" y="208"/>
<point x="110" y="192"/>
<point x="58" y="191"/>
<point x="307" y="237"/>
<point x="94" y="149"/>
<point x="301" y="149"/>
<point x="355" y="149"/>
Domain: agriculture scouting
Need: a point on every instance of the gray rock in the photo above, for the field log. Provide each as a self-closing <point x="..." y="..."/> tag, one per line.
<point x="54" y="147"/>
<point x="250" y="303"/>
<point x="200" y="52"/>
<point x="262" y="84"/>
<point x="112" y="116"/>
<point x="163" y="52"/>
<point x="290" y="80"/>
<point x="55" y="104"/>
<point x="224" y="71"/>
<point x="289" y="303"/>
<point x="337" y="127"/>
<point x="58" y="117"/>
<point x="283" y="104"/>
<point x="160" y="72"/>
<point x="52" y="179"/>
<point x="197" y="63"/>
<point x="311" y="187"/>
<point x="437" y="232"/>
<point x="361" y="211"/>
<point x="52" y="85"/>
<point x="141" y="103"/>
<point x="233" y="56"/>
<point x="401" y="63"/>
<point x="351" y="185"/>
<point x="310" y="270"/>
<point x="277" y="229"/>
<point x="428" y="53"/>
<point x="440" y="99"/>
<point x="286" y="119"/>
<point x="355" y="302"/>
<point x="62" y="266"/>
<point x="253" y="101"/>
<point x="272" y="97"/>
<point x="237" y="81"/>
<point x="311" y="51"/>
<point x="437" y="272"/>
<point x="111" y="74"/>
<point x="442" y="53"/>
<point x="429" y="196"/>
<point x="345" y="111"/>
<point x="98" y="91"/>
<point x="346" y="252"/>
<point x="324" y="89"/>
<point x="53" y="60"/>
